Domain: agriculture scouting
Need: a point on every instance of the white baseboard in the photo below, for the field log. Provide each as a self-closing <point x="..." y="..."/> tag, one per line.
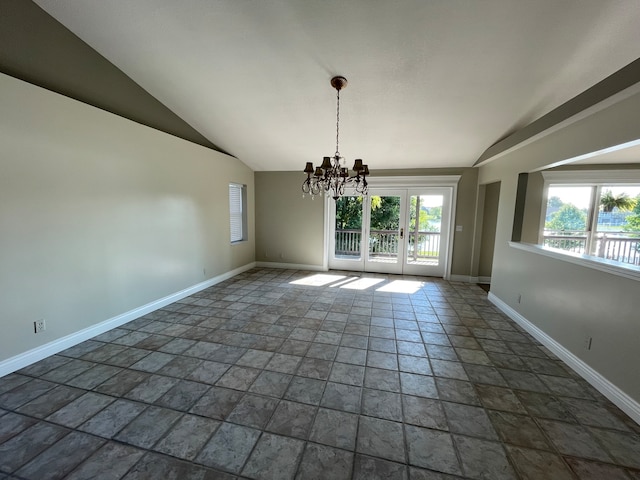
<point x="463" y="278"/>
<point x="469" y="279"/>
<point x="36" y="354"/>
<point x="291" y="266"/>
<point x="600" y="383"/>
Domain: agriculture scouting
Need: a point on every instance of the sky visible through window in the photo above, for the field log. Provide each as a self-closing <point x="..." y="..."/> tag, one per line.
<point x="581" y="196"/>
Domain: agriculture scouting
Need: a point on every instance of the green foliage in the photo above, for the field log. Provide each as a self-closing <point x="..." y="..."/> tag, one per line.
<point x="423" y="216"/>
<point x="633" y="221"/>
<point x="609" y="201"/>
<point x="633" y="224"/>
<point x="349" y="213"/>
<point x="636" y="206"/>
<point x="385" y="213"/>
<point x="568" y="217"/>
<point x="423" y="220"/>
<point x="554" y="202"/>
<point x="426" y="215"/>
<point x="435" y="213"/>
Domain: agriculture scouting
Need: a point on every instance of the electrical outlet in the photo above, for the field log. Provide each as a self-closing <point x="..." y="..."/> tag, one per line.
<point x="587" y="342"/>
<point x="39" y="326"/>
<point x="519" y="298"/>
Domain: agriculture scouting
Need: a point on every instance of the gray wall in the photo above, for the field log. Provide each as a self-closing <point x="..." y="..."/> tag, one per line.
<point x="564" y="300"/>
<point x="289" y="228"/>
<point x="489" y="223"/>
<point x="100" y="215"/>
<point x="533" y="208"/>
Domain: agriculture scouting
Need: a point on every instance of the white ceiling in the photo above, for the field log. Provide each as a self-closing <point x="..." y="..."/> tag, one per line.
<point x="432" y="83"/>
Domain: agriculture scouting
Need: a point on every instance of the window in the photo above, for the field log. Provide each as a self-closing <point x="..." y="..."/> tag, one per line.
<point x="593" y="213"/>
<point x="238" y="212"/>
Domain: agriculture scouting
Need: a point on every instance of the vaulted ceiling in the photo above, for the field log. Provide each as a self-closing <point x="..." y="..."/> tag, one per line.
<point x="432" y="83"/>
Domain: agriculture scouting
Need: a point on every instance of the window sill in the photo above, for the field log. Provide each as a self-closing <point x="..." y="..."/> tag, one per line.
<point x="614" y="268"/>
<point x="238" y="242"/>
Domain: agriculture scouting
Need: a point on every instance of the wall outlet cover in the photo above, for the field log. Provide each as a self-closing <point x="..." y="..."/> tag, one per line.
<point x="39" y="326"/>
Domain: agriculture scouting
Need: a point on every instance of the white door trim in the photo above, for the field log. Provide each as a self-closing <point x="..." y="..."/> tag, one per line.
<point x="414" y="181"/>
<point x="452" y="230"/>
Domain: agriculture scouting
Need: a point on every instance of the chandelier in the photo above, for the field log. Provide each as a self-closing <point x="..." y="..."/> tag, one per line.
<point x="332" y="176"/>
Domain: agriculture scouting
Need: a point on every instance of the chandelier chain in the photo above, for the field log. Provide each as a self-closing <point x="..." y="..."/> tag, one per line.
<point x="338" y="126"/>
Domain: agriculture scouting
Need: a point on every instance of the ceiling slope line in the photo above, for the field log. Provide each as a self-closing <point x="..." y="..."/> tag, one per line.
<point x="613" y="89"/>
<point x="53" y="57"/>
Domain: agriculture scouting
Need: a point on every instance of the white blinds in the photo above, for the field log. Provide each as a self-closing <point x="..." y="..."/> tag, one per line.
<point x="235" y="212"/>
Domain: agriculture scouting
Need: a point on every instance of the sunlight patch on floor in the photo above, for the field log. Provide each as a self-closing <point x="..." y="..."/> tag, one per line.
<point x="318" y="280"/>
<point x="344" y="282"/>
<point x="362" y="283"/>
<point x="401" y="286"/>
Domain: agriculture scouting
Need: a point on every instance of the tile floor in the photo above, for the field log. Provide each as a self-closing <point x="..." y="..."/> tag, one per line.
<point x="285" y="374"/>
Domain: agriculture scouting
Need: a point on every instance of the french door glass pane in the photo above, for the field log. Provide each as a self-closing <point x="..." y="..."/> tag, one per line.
<point x="425" y="225"/>
<point x="348" y="228"/>
<point x="384" y="227"/>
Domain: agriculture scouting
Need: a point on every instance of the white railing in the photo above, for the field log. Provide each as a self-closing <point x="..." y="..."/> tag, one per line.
<point x="620" y="249"/>
<point x="384" y="243"/>
<point x="348" y="243"/>
<point x="572" y="241"/>
<point x="424" y="245"/>
<point x="611" y="245"/>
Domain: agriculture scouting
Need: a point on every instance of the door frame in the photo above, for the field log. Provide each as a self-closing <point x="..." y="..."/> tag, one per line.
<point x="404" y="182"/>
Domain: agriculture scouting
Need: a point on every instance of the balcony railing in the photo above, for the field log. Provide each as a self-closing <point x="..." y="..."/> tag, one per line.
<point x="423" y="245"/>
<point x="384" y="243"/>
<point x="348" y="243"/>
<point x="616" y="246"/>
<point x="619" y="248"/>
<point x="570" y="241"/>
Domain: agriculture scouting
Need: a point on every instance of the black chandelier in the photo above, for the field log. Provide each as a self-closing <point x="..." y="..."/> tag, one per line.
<point x="332" y="176"/>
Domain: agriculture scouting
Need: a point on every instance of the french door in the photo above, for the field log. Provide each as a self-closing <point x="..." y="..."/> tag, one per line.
<point x="403" y="231"/>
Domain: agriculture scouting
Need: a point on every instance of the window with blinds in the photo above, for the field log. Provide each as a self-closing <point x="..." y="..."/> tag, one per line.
<point x="237" y="212"/>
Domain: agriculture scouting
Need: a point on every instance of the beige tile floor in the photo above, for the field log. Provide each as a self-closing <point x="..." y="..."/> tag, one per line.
<point x="279" y="374"/>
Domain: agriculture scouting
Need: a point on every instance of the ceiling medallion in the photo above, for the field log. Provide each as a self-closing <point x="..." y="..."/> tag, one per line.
<point x="332" y="176"/>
